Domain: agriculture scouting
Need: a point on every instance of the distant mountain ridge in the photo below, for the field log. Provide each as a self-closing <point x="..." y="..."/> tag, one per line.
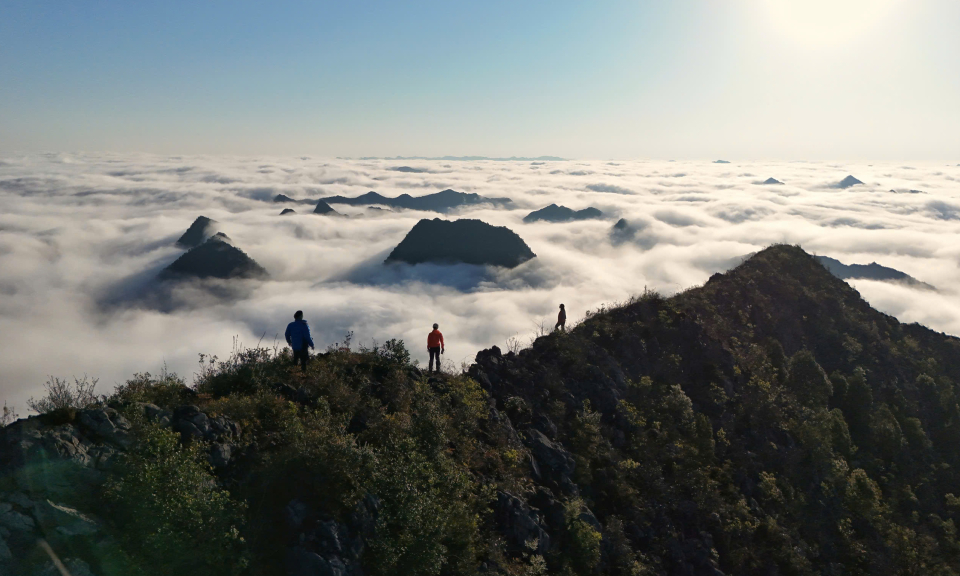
<point x="554" y="213"/>
<point x="217" y="258"/>
<point x="871" y="271"/>
<point x="437" y="202"/>
<point x="469" y="158"/>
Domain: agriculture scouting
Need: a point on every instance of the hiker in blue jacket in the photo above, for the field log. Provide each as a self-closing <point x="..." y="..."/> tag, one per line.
<point x="298" y="337"/>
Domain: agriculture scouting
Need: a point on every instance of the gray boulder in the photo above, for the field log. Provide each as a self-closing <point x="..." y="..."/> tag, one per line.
<point x="105" y="424"/>
<point x="522" y="527"/>
<point x="551" y="464"/>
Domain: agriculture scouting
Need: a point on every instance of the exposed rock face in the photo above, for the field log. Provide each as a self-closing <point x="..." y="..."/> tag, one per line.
<point x="552" y="465"/>
<point x="439" y="202"/>
<point x="323" y="208"/>
<point x="847" y="183"/>
<point x="520" y="524"/>
<point x="771" y="181"/>
<point x="318" y="545"/>
<point x="287" y="211"/>
<point x="554" y="213"/>
<point x="52" y="472"/>
<point x="198" y="232"/>
<point x="215" y="258"/>
<point x="871" y="271"/>
<point x="461" y="241"/>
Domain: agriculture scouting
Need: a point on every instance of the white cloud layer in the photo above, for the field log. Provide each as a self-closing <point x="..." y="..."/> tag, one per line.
<point x="81" y="234"/>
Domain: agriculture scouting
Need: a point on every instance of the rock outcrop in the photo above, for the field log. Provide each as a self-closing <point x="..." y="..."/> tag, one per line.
<point x="554" y="213"/>
<point x="52" y="471"/>
<point x="461" y="241"/>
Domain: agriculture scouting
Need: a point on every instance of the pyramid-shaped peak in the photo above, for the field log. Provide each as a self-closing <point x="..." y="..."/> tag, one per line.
<point x="215" y="258"/>
<point x="848" y="182"/>
<point x="771" y="181"/>
<point x="198" y="232"/>
<point x="323" y="208"/>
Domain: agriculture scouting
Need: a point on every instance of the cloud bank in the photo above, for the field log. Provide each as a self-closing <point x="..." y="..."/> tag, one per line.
<point x="82" y="236"/>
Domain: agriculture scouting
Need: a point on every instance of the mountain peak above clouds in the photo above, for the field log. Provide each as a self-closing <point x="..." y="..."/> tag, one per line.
<point x="554" y="213"/>
<point x="215" y="258"/>
<point x="198" y="232"/>
<point x="324" y="208"/>
<point x="461" y="242"/>
<point x="848" y="182"/>
<point x="871" y="271"/>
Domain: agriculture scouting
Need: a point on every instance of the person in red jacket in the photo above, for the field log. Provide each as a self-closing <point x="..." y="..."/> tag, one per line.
<point x="435" y="346"/>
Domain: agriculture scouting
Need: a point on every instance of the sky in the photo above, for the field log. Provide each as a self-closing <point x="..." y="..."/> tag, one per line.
<point x="851" y="80"/>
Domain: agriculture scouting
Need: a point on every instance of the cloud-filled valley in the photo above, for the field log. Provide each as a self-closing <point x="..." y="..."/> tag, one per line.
<point x="82" y="238"/>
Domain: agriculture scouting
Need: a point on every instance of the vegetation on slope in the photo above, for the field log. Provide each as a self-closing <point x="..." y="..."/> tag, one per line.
<point x="769" y="422"/>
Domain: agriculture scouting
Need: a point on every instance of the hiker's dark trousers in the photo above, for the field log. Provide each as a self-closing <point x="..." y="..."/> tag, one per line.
<point x="301" y="356"/>
<point x="434" y="353"/>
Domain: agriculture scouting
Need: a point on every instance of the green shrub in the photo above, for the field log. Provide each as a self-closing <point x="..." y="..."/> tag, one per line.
<point x="165" y="390"/>
<point x="171" y="516"/>
<point x="424" y="526"/>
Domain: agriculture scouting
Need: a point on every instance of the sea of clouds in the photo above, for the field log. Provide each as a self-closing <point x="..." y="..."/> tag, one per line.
<point x="83" y="235"/>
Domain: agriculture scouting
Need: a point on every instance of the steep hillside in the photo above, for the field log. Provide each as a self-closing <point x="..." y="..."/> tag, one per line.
<point x="768" y="422"/>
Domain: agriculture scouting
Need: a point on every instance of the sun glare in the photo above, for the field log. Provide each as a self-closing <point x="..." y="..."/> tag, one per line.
<point x="827" y="22"/>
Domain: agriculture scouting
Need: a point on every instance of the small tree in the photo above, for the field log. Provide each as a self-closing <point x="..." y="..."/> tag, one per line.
<point x="9" y="416"/>
<point x="61" y="395"/>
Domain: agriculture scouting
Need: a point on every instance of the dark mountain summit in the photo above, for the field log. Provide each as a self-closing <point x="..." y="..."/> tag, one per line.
<point x="769" y="422"/>
<point x="847" y="182"/>
<point x="324" y="208"/>
<point x="438" y="202"/>
<point x="215" y="258"/>
<point x="554" y="213"/>
<point x="871" y="271"/>
<point x="198" y="232"/>
<point x="409" y="169"/>
<point x="771" y="181"/>
<point x="461" y="241"/>
<point x="283" y="198"/>
<point x="287" y="211"/>
<point x="721" y="161"/>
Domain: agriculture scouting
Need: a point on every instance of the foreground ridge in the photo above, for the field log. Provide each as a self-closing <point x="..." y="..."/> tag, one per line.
<point x="767" y="422"/>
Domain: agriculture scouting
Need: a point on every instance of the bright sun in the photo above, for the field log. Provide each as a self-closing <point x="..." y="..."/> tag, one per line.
<point x="826" y="22"/>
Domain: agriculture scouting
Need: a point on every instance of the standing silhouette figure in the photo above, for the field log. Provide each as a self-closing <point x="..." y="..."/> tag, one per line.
<point x="561" y="320"/>
<point x="298" y="337"/>
<point x="435" y="346"/>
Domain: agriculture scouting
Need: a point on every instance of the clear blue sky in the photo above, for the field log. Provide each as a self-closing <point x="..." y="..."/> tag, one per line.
<point x="870" y="79"/>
